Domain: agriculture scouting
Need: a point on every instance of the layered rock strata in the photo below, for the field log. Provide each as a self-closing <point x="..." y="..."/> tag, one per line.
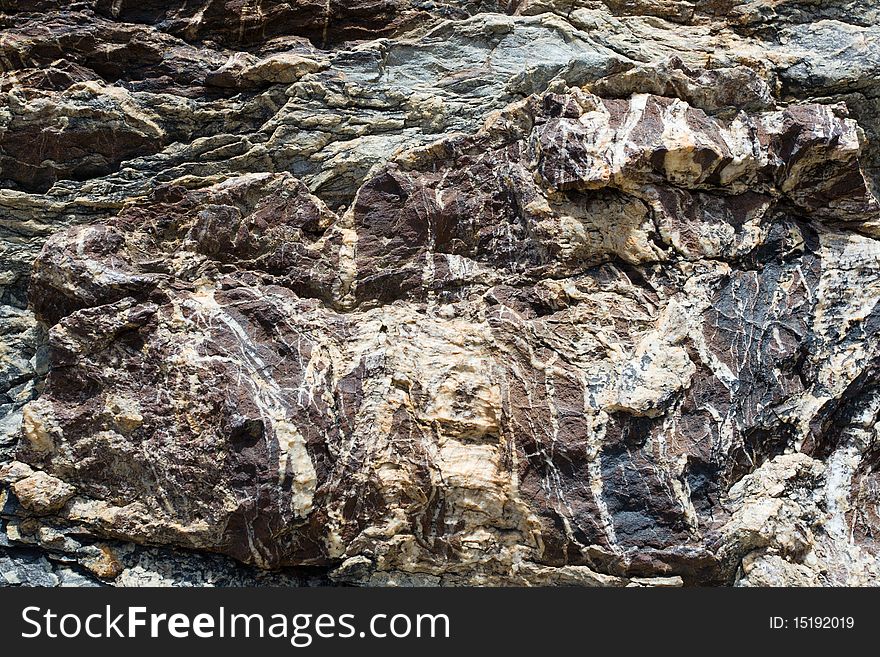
<point x="439" y="293"/>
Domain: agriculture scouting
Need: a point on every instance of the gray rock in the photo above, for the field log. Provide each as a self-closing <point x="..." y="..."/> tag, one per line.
<point x="25" y="568"/>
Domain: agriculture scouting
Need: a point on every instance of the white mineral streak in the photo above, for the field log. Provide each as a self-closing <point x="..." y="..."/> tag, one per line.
<point x="597" y="423"/>
<point x="460" y="404"/>
<point x="848" y="290"/>
<point x="627" y="325"/>
<point x="293" y="456"/>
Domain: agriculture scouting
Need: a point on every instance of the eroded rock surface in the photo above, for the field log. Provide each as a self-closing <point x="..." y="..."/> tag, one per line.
<point x="439" y="293"/>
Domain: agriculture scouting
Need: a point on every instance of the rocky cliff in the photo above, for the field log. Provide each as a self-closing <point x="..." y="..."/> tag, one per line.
<point x="413" y="292"/>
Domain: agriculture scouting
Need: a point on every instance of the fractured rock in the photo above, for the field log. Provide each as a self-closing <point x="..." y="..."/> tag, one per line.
<point x="439" y="293"/>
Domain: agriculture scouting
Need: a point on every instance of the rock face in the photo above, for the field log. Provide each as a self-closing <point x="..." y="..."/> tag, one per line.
<point x="402" y="292"/>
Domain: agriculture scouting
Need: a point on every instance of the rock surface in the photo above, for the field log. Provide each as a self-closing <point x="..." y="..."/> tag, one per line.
<point x="563" y="292"/>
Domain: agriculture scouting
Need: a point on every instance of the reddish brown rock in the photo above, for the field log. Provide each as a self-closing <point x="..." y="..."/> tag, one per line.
<point x="407" y="293"/>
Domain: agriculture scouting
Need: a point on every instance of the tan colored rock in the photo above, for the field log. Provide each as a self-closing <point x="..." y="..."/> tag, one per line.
<point x="41" y="493"/>
<point x="15" y="471"/>
<point x="126" y="413"/>
<point x="775" y="507"/>
<point x="39" y="428"/>
<point x="284" y="68"/>
<point x="105" y="564"/>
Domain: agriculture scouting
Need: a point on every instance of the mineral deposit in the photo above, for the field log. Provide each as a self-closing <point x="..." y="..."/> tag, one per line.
<point x="394" y="292"/>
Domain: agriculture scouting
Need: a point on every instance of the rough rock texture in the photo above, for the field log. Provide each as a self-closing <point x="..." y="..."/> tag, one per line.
<point x="404" y="292"/>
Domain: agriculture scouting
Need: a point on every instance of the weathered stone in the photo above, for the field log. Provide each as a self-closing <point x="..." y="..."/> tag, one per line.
<point x="405" y="292"/>
<point x="41" y="493"/>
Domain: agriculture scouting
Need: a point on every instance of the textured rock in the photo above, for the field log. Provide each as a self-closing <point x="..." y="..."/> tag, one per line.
<point x="388" y="293"/>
